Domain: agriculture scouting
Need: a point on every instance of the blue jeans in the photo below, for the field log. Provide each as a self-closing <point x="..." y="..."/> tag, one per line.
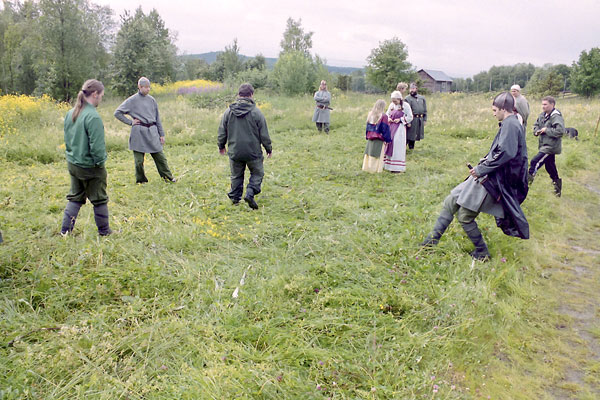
<point x="238" y="168"/>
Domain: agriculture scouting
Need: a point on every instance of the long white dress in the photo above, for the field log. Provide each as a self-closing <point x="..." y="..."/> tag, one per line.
<point x="396" y="161"/>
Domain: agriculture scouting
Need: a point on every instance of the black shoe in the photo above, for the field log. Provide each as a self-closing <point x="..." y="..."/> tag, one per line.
<point x="429" y="242"/>
<point x="251" y="203"/>
<point x="481" y="254"/>
<point x="106" y="233"/>
<point x="557" y="187"/>
<point x="235" y="202"/>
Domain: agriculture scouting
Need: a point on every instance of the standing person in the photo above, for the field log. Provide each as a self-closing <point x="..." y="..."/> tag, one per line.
<point x="521" y="104"/>
<point x="497" y="186"/>
<point x="399" y="114"/>
<point x="244" y="129"/>
<point x="322" y="115"/>
<point x="377" y="134"/>
<point x="416" y="131"/>
<point x="86" y="155"/>
<point x="402" y="87"/>
<point x="550" y="128"/>
<point x="1" y="240"/>
<point x="147" y="134"/>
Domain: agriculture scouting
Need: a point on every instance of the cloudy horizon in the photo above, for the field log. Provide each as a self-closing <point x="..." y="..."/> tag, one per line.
<point x="461" y="38"/>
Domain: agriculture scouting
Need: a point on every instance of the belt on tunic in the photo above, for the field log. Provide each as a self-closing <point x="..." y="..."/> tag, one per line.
<point x="321" y="107"/>
<point x="419" y="115"/>
<point x="147" y="125"/>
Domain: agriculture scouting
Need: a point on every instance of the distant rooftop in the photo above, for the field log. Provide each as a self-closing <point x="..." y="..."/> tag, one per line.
<point x="437" y="75"/>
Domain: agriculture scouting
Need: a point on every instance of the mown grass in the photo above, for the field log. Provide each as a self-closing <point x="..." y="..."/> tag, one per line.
<point x="337" y="301"/>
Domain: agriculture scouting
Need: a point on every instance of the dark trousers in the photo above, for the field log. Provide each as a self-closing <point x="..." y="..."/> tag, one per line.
<point x="410" y="143"/>
<point x="87" y="183"/>
<point x="161" y="165"/>
<point x="323" y="126"/>
<point x="547" y="160"/>
<point x="238" y="168"/>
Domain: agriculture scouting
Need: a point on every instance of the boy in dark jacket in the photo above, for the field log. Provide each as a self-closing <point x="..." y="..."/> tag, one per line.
<point x="244" y="129"/>
<point x="550" y="128"/>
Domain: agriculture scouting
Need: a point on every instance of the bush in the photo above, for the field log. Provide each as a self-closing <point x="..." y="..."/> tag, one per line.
<point x="213" y="99"/>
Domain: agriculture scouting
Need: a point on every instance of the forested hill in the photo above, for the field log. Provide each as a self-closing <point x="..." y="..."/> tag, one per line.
<point x="211" y="57"/>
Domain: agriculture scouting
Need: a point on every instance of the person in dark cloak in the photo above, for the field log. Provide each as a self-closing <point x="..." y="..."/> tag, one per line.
<point x="496" y="186"/>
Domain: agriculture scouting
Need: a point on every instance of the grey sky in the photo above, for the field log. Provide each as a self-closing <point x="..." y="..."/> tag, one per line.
<point x="461" y="37"/>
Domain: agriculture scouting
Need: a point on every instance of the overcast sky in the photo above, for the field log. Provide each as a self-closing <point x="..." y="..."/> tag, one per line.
<point x="461" y="37"/>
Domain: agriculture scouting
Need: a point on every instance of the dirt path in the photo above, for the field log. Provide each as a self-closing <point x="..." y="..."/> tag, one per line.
<point x="578" y="281"/>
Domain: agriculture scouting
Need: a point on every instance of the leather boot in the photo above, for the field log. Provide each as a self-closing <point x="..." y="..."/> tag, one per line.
<point x="70" y="216"/>
<point x="481" y="251"/>
<point x="557" y="187"/>
<point x="101" y="217"/>
<point x="439" y="228"/>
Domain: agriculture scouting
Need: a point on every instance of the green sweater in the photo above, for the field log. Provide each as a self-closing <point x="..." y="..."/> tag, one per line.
<point x="84" y="138"/>
<point x="550" y="142"/>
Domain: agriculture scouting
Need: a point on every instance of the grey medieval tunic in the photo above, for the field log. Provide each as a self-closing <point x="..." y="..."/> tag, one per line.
<point x="416" y="131"/>
<point x="143" y="138"/>
<point x="321" y="115"/>
<point x="522" y="107"/>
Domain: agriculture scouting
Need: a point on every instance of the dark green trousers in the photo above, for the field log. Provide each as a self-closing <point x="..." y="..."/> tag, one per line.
<point x="161" y="165"/>
<point x="257" y="172"/>
<point x="87" y="183"/>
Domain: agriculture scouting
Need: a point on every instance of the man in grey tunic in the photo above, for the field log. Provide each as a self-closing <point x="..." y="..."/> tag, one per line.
<point x="496" y="186"/>
<point x="416" y="130"/>
<point x="147" y="134"/>
<point x="521" y="104"/>
<point x="321" y="115"/>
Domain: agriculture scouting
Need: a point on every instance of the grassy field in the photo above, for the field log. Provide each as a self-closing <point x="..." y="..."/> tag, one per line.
<point x="335" y="299"/>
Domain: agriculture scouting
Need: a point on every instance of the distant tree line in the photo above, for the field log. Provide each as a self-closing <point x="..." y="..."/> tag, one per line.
<point x="583" y="77"/>
<point x="52" y="46"/>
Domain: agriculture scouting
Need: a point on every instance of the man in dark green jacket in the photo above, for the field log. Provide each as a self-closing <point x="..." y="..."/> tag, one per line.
<point x="244" y="129"/>
<point x="550" y="128"/>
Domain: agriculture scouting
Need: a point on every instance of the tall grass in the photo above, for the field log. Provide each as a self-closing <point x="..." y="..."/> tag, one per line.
<point x="334" y="297"/>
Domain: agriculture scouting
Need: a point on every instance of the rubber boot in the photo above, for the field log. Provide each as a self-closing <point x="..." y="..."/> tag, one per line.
<point x="481" y="251"/>
<point x="101" y="217"/>
<point x="70" y="216"/>
<point x="439" y="228"/>
<point x="557" y="187"/>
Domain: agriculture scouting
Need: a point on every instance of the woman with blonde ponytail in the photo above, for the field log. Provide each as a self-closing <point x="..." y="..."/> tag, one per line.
<point x="86" y="155"/>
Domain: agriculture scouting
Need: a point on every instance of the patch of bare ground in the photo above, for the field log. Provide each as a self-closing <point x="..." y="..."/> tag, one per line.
<point x="579" y="306"/>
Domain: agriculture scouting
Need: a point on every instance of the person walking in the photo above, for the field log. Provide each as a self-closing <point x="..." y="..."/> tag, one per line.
<point x="147" y="133"/>
<point x="243" y="130"/>
<point x="549" y="128"/>
<point x="86" y="156"/>
<point x="496" y="186"/>
<point x="416" y="130"/>
<point x="321" y="116"/>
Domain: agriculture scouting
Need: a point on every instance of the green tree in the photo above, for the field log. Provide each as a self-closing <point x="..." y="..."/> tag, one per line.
<point x="143" y="47"/>
<point x="585" y="73"/>
<point x="545" y="82"/>
<point x="295" y="39"/>
<point x="74" y="37"/>
<point x="259" y="62"/>
<point x="387" y="65"/>
<point x="294" y="73"/>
